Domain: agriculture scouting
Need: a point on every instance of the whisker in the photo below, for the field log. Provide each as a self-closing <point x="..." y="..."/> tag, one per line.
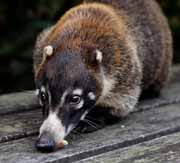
<point x="94" y="119"/>
<point x="93" y="124"/>
<point x="89" y="123"/>
<point x="77" y="133"/>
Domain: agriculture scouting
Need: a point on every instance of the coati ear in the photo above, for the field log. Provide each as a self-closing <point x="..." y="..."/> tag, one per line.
<point x="94" y="57"/>
<point x="47" y="51"/>
<point x="99" y="56"/>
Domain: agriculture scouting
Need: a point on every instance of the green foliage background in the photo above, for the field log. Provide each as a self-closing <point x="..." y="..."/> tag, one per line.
<point x="21" y="21"/>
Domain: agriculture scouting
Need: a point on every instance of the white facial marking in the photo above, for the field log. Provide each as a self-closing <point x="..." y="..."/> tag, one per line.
<point x="54" y="127"/>
<point x="48" y="50"/>
<point x="63" y="98"/>
<point x="69" y="129"/>
<point x="43" y="89"/>
<point x="49" y="97"/>
<point x="84" y="115"/>
<point x="37" y="92"/>
<point x="77" y="92"/>
<point x="99" y="55"/>
<point x="80" y="105"/>
<point x="91" y="95"/>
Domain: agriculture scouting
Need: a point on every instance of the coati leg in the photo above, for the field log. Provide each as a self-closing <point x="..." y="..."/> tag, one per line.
<point x="104" y="114"/>
<point x="97" y="118"/>
<point x="154" y="90"/>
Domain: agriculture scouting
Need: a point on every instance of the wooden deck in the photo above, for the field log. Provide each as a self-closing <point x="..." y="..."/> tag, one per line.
<point x="151" y="134"/>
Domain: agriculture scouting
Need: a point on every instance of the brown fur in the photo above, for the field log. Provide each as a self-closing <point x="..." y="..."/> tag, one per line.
<point x="133" y="36"/>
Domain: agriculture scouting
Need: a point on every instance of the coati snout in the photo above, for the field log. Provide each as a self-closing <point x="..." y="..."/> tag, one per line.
<point x="67" y="91"/>
<point x="100" y="53"/>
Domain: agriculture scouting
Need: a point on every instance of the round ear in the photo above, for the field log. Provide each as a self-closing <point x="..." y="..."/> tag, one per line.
<point x="95" y="57"/>
<point x="47" y="51"/>
<point x="99" y="56"/>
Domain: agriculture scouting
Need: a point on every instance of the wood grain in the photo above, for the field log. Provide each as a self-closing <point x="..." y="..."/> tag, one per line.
<point x="18" y="102"/>
<point x="161" y="150"/>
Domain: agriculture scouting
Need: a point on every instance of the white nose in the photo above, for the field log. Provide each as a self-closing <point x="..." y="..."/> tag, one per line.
<point x="53" y="126"/>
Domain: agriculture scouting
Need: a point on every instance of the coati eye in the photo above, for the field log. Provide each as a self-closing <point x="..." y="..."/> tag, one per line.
<point x="43" y="98"/>
<point x="75" y="100"/>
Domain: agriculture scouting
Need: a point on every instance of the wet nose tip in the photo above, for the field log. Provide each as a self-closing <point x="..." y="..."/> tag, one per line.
<point x="45" y="144"/>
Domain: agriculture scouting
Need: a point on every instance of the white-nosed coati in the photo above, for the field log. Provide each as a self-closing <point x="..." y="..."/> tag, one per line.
<point x="100" y="53"/>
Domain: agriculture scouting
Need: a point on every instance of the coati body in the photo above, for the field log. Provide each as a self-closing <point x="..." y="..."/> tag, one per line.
<point x="103" y="53"/>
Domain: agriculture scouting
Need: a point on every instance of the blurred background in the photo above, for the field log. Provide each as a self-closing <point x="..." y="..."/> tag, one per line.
<point x="21" y="21"/>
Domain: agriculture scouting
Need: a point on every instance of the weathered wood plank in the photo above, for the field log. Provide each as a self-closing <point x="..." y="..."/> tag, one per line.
<point x="136" y="128"/>
<point x="18" y="125"/>
<point x="161" y="150"/>
<point x="18" y="102"/>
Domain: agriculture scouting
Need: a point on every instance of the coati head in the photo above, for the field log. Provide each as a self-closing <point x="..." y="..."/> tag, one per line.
<point x="67" y="91"/>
